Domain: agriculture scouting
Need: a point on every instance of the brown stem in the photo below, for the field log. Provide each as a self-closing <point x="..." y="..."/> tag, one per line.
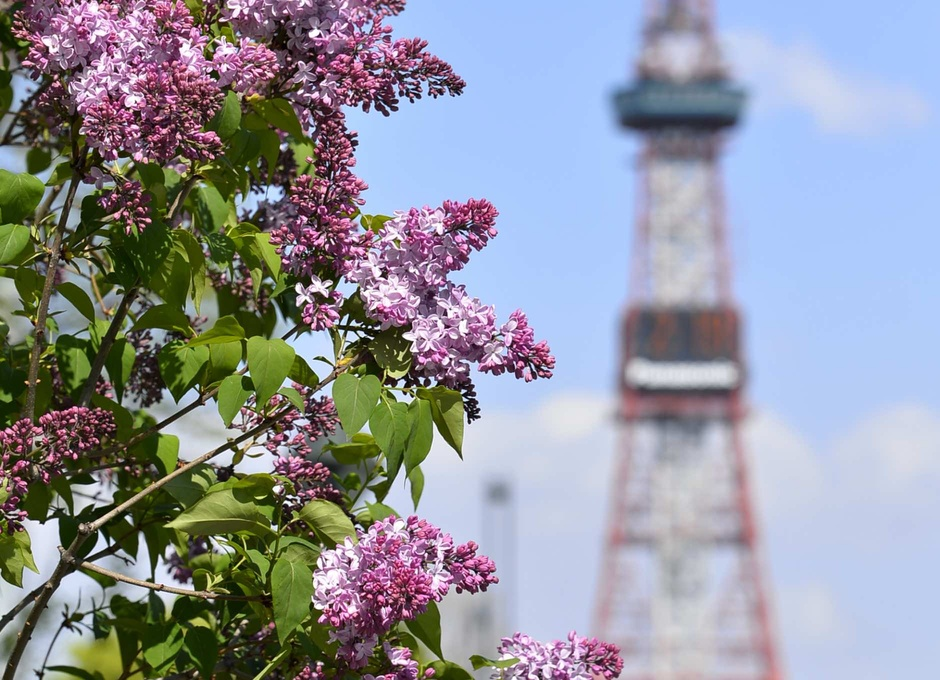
<point x="20" y="606"/>
<point x="29" y="407"/>
<point x="106" y="343"/>
<point x="159" y="587"/>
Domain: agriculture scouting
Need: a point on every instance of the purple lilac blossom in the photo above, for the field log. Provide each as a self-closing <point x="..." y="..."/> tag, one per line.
<point x="319" y="307"/>
<point x="390" y="575"/>
<point x="59" y="435"/>
<point x="403" y="282"/>
<point x="580" y="658"/>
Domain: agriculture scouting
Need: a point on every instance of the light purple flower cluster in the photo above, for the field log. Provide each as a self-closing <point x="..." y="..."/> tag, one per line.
<point x="404" y="282"/>
<point x="397" y="567"/>
<point x="58" y="435"/>
<point x="580" y="658"/>
<point x="319" y="306"/>
<point x="339" y="53"/>
<point x="136" y="73"/>
<point x="310" y="480"/>
<point x="400" y="665"/>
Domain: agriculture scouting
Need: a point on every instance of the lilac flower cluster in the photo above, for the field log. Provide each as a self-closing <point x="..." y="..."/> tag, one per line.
<point x="136" y="73"/>
<point x="319" y="306"/>
<point x="59" y="435"/>
<point x="145" y="384"/>
<point x="403" y="282"/>
<point x="400" y="665"/>
<point x="580" y="658"/>
<point x="339" y="53"/>
<point x="310" y="480"/>
<point x="296" y="430"/>
<point x="397" y="567"/>
<point x="314" y="228"/>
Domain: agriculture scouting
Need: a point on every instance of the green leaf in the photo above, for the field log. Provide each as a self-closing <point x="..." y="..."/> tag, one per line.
<point x="300" y="372"/>
<point x="211" y="210"/>
<point x="15" y="555"/>
<point x="173" y="276"/>
<point x="73" y="361"/>
<point x="77" y="297"/>
<point x="427" y="628"/>
<point x="192" y="485"/>
<point x="291" y="593"/>
<point x="269" y="362"/>
<point x="165" y="317"/>
<point x="197" y="263"/>
<point x="226" y="329"/>
<point x="392" y="353"/>
<point x="221" y="248"/>
<point x="19" y="195"/>
<point x="482" y="662"/>
<point x="294" y="397"/>
<point x="60" y="174"/>
<point x="390" y="424"/>
<point x="228" y="118"/>
<point x="202" y="646"/>
<point x="416" y="477"/>
<point x="149" y="250"/>
<point x="280" y="114"/>
<point x="181" y="366"/>
<point x="37" y="160"/>
<point x="379" y="511"/>
<point x="447" y="670"/>
<point x="269" y="254"/>
<point x="13" y="240"/>
<point x="151" y="174"/>
<point x="162" y="450"/>
<point x="162" y="642"/>
<point x="448" y="414"/>
<point x="355" y="400"/>
<point x="221" y="512"/>
<point x="233" y="393"/>
<point x="353" y="453"/>
<point x="328" y="520"/>
<point x="421" y="434"/>
<point x="224" y="360"/>
<point x="120" y="363"/>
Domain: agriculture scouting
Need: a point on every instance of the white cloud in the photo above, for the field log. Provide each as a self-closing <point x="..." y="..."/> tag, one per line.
<point x="799" y="76"/>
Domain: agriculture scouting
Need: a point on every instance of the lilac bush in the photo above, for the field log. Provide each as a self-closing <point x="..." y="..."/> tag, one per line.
<point x="190" y="209"/>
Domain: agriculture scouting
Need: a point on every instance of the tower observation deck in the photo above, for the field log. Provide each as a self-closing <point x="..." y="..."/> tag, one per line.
<point x="681" y="588"/>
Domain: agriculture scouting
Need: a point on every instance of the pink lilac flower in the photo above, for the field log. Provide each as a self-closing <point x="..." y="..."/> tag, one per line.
<point x="314" y="227"/>
<point x="319" y="307"/>
<point x="400" y="665"/>
<point x="390" y="575"/>
<point x="310" y="480"/>
<point x="403" y="282"/>
<point x="135" y="73"/>
<point x="580" y="658"/>
<point x="59" y="435"/>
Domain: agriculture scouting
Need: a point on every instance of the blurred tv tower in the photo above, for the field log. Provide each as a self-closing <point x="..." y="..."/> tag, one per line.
<point x="681" y="587"/>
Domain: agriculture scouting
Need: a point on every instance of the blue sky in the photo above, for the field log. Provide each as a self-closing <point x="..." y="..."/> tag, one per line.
<point x="832" y="189"/>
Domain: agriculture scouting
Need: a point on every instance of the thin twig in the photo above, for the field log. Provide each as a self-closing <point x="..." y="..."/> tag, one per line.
<point x="159" y="587"/>
<point x="106" y="343"/>
<point x="20" y="606"/>
<point x="42" y="313"/>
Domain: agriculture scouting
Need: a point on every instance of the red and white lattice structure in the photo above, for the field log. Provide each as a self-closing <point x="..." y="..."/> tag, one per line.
<point x="681" y="587"/>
